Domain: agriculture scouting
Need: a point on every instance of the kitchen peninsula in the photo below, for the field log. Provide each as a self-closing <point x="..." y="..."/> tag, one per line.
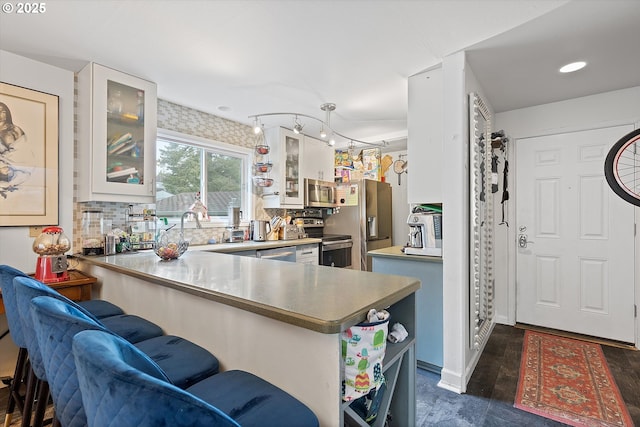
<point x="279" y="320"/>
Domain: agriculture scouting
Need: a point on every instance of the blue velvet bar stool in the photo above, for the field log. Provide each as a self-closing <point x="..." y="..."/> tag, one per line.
<point x="133" y="328"/>
<point x="23" y="368"/>
<point x="7" y="274"/>
<point x="98" y="308"/>
<point x="121" y="387"/>
<point x="124" y="388"/>
<point x="187" y="362"/>
<point x="56" y="322"/>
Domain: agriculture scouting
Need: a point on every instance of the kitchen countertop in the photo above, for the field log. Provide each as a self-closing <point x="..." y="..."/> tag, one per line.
<point x="250" y="245"/>
<point x="396" y="252"/>
<point x="323" y="299"/>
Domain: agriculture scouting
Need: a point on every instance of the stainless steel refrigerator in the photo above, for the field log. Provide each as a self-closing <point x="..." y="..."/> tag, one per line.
<point x="365" y="214"/>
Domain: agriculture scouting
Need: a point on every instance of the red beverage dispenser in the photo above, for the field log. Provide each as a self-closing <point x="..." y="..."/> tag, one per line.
<point x="52" y="265"/>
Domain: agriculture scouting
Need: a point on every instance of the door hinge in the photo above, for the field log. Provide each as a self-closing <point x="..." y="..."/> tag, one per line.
<point x="635" y="311"/>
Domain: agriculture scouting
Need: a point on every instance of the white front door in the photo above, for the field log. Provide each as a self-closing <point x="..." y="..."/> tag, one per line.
<point x="575" y="249"/>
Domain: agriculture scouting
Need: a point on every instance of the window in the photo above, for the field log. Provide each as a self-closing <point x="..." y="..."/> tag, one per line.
<point x="188" y="167"/>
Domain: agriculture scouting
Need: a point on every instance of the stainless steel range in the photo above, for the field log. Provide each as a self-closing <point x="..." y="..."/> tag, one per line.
<point x="336" y="248"/>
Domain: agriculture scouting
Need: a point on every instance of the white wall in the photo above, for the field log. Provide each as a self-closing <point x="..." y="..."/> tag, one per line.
<point x="400" y="205"/>
<point x="459" y="357"/>
<point x="596" y="111"/>
<point x="455" y="264"/>
<point x="15" y="243"/>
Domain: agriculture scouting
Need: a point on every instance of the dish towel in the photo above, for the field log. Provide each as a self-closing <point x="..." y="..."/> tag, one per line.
<point x="398" y="333"/>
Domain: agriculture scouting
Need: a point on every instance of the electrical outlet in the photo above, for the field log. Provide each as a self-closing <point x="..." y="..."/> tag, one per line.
<point x="35" y="231"/>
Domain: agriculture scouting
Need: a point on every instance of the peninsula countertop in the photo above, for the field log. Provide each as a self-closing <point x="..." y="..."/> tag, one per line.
<point x="323" y="299"/>
<point x="396" y="252"/>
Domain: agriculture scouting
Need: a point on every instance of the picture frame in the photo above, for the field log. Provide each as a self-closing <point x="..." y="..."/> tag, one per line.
<point x="28" y="157"/>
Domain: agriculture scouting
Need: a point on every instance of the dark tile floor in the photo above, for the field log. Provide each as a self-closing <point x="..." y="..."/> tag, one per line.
<point x="492" y="388"/>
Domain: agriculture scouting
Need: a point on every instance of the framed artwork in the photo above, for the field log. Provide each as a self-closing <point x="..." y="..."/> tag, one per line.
<point x="28" y="157"/>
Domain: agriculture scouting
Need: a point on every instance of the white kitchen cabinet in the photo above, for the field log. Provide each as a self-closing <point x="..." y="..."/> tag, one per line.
<point x="425" y="133"/>
<point x="308" y="254"/>
<point x="116" y="136"/>
<point x="318" y="161"/>
<point x="287" y="151"/>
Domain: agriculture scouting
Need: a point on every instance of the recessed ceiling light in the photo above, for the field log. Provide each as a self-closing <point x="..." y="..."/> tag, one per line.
<point x="574" y="66"/>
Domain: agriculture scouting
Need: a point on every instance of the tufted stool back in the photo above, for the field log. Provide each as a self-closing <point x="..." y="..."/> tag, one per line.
<point x="7" y="274"/>
<point x="26" y="289"/>
<point x="55" y="323"/>
<point x="122" y="387"/>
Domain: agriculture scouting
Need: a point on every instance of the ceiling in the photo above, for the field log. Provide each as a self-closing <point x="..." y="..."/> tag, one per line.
<point x="239" y="58"/>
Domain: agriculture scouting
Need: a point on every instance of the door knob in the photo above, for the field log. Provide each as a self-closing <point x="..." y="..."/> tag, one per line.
<point x="522" y="241"/>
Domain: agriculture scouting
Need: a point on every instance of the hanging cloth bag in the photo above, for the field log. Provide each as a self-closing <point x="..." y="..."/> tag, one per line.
<point x="363" y="349"/>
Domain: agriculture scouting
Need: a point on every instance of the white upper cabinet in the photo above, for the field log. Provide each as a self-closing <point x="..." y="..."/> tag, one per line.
<point x="318" y="161"/>
<point x="116" y="136"/>
<point x="425" y="133"/>
<point x="287" y="151"/>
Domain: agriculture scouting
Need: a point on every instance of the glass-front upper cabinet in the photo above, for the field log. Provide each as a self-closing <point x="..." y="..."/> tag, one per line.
<point x="293" y="146"/>
<point x="286" y="155"/>
<point x="117" y="132"/>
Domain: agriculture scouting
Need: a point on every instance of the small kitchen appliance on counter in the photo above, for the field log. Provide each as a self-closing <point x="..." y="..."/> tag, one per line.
<point x="425" y="234"/>
<point x="51" y="266"/>
<point x="92" y="232"/>
<point x="289" y="232"/>
<point x="258" y="230"/>
<point x="232" y="233"/>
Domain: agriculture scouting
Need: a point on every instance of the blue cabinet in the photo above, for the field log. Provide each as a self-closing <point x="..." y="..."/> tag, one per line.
<point x="428" y="299"/>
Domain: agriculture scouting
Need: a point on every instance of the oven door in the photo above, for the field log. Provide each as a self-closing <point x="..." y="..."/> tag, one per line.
<point x="336" y="253"/>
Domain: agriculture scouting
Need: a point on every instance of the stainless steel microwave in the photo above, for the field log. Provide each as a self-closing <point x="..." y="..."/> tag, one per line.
<point x="319" y="194"/>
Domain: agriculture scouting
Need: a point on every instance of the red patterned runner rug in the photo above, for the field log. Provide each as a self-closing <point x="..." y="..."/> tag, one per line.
<point x="568" y="381"/>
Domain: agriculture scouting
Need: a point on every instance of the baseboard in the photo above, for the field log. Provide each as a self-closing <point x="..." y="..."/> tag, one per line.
<point x="451" y="381"/>
<point x="428" y="367"/>
<point x="502" y="320"/>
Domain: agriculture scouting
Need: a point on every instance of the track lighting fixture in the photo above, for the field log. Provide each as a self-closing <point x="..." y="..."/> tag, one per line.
<point x="297" y="127"/>
<point x="256" y="126"/>
<point x="323" y="134"/>
<point x="325" y="125"/>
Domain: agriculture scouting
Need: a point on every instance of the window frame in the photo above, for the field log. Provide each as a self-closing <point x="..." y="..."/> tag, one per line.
<point x="211" y="145"/>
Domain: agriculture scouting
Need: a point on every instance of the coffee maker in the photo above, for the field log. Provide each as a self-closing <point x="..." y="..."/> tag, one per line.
<point x="232" y="233"/>
<point x="425" y="234"/>
<point x="50" y="245"/>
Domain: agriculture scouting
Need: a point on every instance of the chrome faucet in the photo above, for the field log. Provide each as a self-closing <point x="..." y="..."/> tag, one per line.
<point x="195" y="215"/>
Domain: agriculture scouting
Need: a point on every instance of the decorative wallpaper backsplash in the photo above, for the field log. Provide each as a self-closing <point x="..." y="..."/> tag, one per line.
<point x="185" y="120"/>
<point x="198" y="123"/>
